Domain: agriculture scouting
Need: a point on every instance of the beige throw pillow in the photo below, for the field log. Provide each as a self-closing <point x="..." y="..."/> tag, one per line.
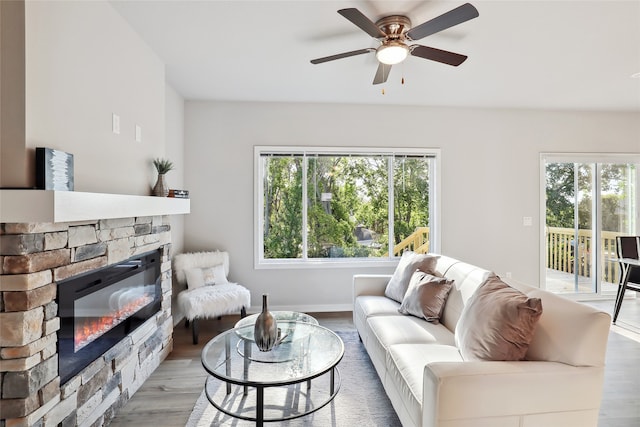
<point x="409" y="263"/>
<point x="497" y="323"/>
<point x="426" y="296"/>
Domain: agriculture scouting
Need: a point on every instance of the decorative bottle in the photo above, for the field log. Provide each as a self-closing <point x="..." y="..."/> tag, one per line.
<point x="266" y="328"/>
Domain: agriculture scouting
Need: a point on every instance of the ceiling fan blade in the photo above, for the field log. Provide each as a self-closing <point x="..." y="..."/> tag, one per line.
<point x="438" y="55"/>
<point x="362" y="22"/>
<point x="382" y="73"/>
<point x="454" y="17"/>
<point x="341" y="55"/>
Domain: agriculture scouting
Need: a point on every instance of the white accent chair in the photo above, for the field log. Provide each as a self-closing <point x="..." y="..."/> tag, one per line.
<point x="213" y="299"/>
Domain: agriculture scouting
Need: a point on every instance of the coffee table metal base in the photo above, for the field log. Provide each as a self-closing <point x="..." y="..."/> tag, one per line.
<point x="252" y="398"/>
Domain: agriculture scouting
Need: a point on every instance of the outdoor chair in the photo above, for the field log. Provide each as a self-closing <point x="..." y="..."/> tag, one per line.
<point x="627" y="247"/>
<point x="209" y="294"/>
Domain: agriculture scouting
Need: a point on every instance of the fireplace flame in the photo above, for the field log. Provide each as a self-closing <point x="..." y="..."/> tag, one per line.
<point x="92" y="328"/>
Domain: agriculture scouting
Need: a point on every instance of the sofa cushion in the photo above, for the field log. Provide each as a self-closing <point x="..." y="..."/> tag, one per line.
<point x="405" y="372"/>
<point x="426" y="296"/>
<point x="466" y="279"/>
<point x="374" y="305"/>
<point x="498" y="323"/>
<point x="384" y="331"/>
<point x="409" y="262"/>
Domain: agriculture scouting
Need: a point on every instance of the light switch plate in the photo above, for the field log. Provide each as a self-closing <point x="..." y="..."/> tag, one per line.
<point x="138" y="133"/>
<point x="527" y="221"/>
<point x="115" y="123"/>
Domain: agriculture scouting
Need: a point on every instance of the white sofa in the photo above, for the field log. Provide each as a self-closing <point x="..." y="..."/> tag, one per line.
<point x="429" y="383"/>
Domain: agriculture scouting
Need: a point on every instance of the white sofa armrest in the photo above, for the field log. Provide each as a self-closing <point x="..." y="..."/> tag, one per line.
<point x="369" y="284"/>
<point x="482" y="389"/>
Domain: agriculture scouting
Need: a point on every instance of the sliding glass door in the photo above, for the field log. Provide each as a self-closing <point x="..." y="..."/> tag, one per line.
<point x="588" y="202"/>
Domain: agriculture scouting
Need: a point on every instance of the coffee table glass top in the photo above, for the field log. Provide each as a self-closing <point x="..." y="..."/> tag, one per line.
<point x="317" y="351"/>
<point x="286" y="321"/>
<point x="285" y="316"/>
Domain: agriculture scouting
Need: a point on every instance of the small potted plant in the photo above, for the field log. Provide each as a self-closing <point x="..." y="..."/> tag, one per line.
<point x="162" y="167"/>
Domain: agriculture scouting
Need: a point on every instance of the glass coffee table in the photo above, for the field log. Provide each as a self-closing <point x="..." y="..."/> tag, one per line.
<point x="286" y="321"/>
<point x="271" y="388"/>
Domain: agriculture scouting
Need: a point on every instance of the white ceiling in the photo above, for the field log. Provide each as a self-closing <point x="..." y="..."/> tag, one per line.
<point x="522" y="54"/>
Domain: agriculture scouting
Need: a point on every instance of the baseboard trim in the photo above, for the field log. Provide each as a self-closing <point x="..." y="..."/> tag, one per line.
<point x="301" y="308"/>
<point x="305" y="308"/>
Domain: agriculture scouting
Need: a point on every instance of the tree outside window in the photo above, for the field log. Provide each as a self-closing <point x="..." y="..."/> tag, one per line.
<point x="346" y="211"/>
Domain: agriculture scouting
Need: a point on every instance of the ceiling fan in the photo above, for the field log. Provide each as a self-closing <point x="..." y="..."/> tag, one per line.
<point x="394" y="32"/>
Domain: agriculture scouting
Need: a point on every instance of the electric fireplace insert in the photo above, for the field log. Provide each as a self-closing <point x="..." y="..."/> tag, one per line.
<point x="100" y="308"/>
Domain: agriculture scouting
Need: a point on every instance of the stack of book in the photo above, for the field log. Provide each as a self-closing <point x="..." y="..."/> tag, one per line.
<point x="179" y="194"/>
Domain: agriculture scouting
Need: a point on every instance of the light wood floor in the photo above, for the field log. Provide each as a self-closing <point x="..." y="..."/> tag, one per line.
<point x="167" y="397"/>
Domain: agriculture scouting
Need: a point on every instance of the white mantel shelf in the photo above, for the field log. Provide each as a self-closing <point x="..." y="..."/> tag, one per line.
<point x="27" y="206"/>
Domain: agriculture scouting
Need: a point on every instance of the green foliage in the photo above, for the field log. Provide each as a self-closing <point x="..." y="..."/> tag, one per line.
<point x="411" y="196"/>
<point x="343" y="193"/>
<point x="561" y="195"/>
<point x="283" y="210"/>
<point x="162" y="165"/>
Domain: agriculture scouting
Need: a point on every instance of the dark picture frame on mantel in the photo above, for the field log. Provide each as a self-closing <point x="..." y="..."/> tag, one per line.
<point x="54" y="169"/>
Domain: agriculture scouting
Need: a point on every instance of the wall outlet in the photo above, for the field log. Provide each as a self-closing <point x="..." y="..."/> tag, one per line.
<point x="507" y="275"/>
<point x="115" y="123"/>
<point x="527" y="221"/>
<point x="138" y="133"/>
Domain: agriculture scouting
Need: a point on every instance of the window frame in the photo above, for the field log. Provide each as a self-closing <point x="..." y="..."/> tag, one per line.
<point x="434" y="205"/>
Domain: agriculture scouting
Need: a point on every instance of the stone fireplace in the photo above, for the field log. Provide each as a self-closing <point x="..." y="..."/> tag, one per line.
<point x="36" y="261"/>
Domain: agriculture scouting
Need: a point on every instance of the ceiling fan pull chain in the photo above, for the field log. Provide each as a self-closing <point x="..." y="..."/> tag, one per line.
<point x="383" y="91"/>
<point x="402" y="81"/>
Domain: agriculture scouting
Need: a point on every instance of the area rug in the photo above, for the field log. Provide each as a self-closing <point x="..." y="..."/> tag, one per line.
<point x="361" y="400"/>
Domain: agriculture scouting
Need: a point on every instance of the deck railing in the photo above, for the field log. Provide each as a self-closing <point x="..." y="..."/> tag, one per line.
<point x="418" y="241"/>
<point x="563" y="247"/>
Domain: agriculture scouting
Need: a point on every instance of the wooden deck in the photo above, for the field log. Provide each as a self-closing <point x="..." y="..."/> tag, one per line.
<point x="565" y="283"/>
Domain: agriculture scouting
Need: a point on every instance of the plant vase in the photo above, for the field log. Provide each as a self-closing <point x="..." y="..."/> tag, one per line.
<point x="266" y="328"/>
<point x="161" y="189"/>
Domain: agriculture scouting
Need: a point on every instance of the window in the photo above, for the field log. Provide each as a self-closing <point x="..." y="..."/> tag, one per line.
<point x="340" y="205"/>
<point x="589" y="200"/>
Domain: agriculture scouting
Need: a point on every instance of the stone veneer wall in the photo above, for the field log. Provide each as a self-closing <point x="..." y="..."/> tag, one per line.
<point x="33" y="257"/>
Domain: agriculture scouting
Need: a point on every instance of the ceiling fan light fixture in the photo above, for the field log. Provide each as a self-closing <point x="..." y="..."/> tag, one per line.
<point x="392" y="52"/>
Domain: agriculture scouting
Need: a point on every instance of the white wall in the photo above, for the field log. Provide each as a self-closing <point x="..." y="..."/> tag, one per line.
<point x="13" y="160"/>
<point x="490" y="179"/>
<point x="83" y="63"/>
<point x="174" y="125"/>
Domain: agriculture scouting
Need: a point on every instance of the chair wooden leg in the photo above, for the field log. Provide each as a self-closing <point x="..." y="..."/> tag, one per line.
<point x="186" y="323"/>
<point x="194" y="323"/>
<point x="243" y="312"/>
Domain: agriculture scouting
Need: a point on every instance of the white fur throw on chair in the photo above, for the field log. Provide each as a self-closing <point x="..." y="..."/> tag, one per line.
<point x="210" y="300"/>
<point x="183" y="262"/>
<point x="213" y="301"/>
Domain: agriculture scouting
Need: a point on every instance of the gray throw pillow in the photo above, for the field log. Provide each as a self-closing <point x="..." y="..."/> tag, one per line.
<point x="426" y="296"/>
<point x="409" y="263"/>
<point x="497" y="323"/>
